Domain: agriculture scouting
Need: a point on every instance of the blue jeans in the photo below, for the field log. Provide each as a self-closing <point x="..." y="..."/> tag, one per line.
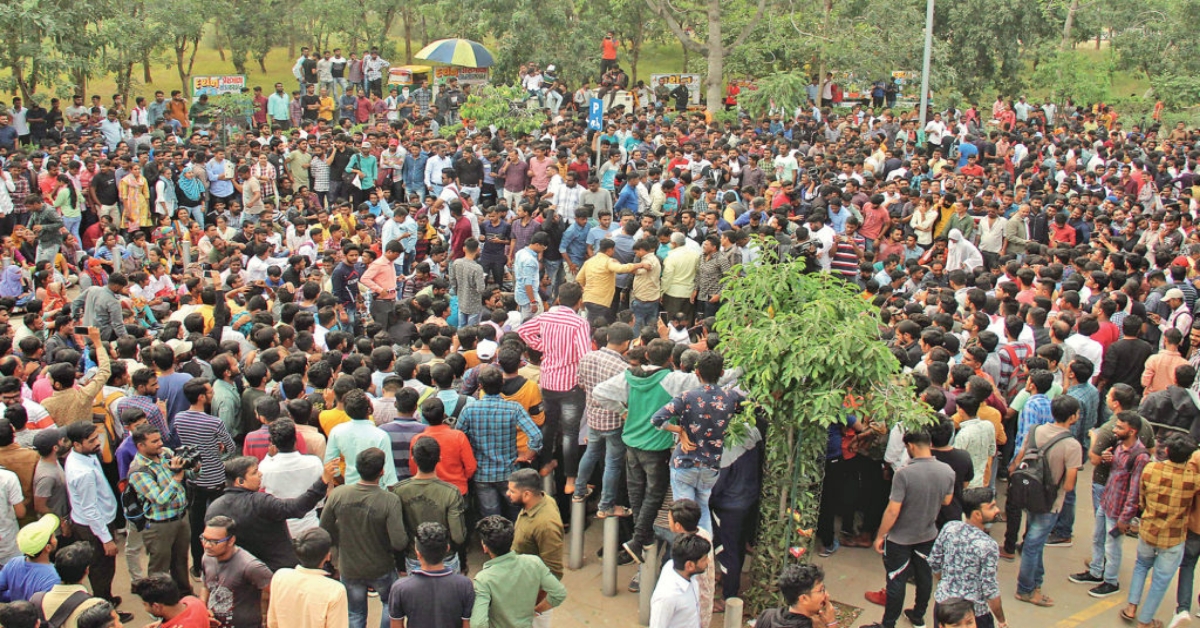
<point x="492" y="499"/>
<point x="644" y="313"/>
<point x="465" y="319"/>
<point x="1158" y="563"/>
<point x="695" y="484"/>
<point x="553" y="270"/>
<point x="1066" y="519"/>
<point x="450" y="562"/>
<point x="197" y="213"/>
<point x="609" y="445"/>
<point x="415" y="188"/>
<point x="72" y="225"/>
<point x="1032" y="569"/>
<point x="356" y="598"/>
<point x="1187" y="573"/>
<point x="1106" y="551"/>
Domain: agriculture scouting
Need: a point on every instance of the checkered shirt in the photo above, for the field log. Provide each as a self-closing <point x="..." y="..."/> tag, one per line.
<point x="595" y="367"/>
<point x="1167" y="493"/>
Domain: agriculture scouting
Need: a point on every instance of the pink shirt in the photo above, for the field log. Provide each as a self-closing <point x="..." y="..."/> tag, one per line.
<point x="563" y="338"/>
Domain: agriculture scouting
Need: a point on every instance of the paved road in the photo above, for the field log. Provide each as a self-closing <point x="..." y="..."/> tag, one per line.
<point x="850" y="573"/>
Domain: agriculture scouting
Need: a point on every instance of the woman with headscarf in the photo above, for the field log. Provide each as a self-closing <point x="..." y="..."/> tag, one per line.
<point x="193" y="195"/>
<point x="135" y="198"/>
<point x="12" y="284"/>
<point x="94" y="274"/>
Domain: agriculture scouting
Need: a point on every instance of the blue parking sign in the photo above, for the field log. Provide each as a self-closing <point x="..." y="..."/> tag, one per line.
<point x="595" y="114"/>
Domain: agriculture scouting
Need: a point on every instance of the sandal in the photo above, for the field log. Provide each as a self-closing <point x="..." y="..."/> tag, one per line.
<point x="1037" y="598"/>
<point x="1126" y="616"/>
<point x="582" y="496"/>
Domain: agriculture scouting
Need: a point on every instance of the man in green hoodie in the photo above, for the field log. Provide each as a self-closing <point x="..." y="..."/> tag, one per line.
<point x="641" y="392"/>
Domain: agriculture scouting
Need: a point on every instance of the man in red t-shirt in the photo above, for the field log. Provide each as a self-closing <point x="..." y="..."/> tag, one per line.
<point x="161" y="597"/>
<point x="460" y="232"/>
<point x="608" y="52"/>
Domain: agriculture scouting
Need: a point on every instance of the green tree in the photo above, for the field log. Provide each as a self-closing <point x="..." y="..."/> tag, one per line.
<point x="45" y="40"/>
<point x="722" y="18"/>
<point x="805" y="344"/>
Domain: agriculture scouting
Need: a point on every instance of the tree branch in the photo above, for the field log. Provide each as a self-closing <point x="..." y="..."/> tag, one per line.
<point x="750" y="26"/>
<point x="688" y="42"/>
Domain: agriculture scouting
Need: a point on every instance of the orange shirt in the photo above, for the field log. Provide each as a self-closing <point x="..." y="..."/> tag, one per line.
<point x="609" y="49"/>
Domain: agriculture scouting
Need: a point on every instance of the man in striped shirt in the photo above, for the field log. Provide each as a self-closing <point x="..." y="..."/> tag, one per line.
<point x="563" y="338"/>
<point x="206" y="434"/>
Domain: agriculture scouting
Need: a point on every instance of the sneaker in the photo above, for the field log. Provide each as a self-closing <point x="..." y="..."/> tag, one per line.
<point x="826" y="552"/>
<point x="126" y="618"/>
<point x="634" y="549"/>
<point x="1181" y="618"/>
<point x="877" y="597"/>
<point x="1103" y="589"/>
<point x="1059" y="541"/>
<point x="913" y="618"/>
<point x="1085" y="577"/>
<point x="194" y="572"/>
<point x="635" y="584"/>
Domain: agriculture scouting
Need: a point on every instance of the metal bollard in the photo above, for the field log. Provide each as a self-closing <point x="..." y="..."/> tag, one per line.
<point x="649" y="571"/>
<point x="548" y="484"/>
<point x="578" y="523"/>
<point x="733" y="612"/>
<point x="612" y="550"/>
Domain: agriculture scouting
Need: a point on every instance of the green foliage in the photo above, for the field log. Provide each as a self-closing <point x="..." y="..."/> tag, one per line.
<point x="785" y="89"/>
<point x="1069" y="74"/>
<point x="803" y="342"/>
<point x="500" y="105"/>
<point x="1177" y="91"/>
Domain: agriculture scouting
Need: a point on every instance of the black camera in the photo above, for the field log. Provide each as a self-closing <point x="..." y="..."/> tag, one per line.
<point x="188" y="455"/>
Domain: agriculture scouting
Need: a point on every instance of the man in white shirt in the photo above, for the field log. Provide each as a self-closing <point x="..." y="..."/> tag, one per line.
<point x="676" y="599"/>
<point x="824" y="235"/>
<point x="288" y="474"/>
<point x="93" y="505"/>
<point x="991" y="236"/>
<point x="935" y="129"/>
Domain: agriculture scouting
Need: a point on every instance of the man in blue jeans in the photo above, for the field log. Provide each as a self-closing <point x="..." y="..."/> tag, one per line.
<point x="1169" y="486"/>
<point x="604" y="426"/>
<point x="699" y="417"/>
<point x="1064" y="460"/>
<point x="366" y="523"/>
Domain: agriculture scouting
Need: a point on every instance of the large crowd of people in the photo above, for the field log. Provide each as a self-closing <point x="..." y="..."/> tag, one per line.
<point x="272" y="374"/>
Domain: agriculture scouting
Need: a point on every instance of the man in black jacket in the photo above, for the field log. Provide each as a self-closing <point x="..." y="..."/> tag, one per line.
<point x="262" y="518"/>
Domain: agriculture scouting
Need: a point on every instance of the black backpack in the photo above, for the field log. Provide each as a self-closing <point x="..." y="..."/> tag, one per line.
<point x="1032" y="486"/>
<point x="131" y="505"/>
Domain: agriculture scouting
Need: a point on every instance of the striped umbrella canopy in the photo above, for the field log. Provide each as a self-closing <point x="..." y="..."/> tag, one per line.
<point x="461" y="52"/>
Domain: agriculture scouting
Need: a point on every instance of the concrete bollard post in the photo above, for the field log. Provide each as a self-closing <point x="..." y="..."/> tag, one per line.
<point x="548" y="484"/>
<point x="578" y="521"/>
<point x="612" y="549"/>
<point x="649" y="579"/>
<point x="733" y="612"/>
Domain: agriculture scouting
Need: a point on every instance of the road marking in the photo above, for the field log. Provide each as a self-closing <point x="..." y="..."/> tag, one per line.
<point x="1089" y="613"/>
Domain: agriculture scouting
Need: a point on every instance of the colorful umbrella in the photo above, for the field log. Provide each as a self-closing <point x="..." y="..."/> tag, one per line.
<point x="461" y="52"/>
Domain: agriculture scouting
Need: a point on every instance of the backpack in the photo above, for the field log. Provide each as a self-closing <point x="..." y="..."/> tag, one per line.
<point x="107" y="423"/>
<point x="1032" y="485"/>
<point x="131" y="505"/>
<point x="1020" y="374"/>
<point x="64" y="610"/>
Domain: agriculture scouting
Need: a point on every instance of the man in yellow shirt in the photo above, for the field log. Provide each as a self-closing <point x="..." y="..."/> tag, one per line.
<point x="327" y="107"/>
<point x="598" y="276"/>
<point x="679" y="277"/>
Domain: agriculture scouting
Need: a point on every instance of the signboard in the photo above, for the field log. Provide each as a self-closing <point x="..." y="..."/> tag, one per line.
<point x="693" y="82"/>
<point x="466" y="76"/>
<point x="400" y="76"/>
<point x="217" y="85"/>
<point x="595" y="118"/>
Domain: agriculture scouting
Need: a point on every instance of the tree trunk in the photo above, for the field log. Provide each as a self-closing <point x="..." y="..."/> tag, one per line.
<point x="388" y="18"/>
<point x="716" y="57"/>
<point x="262" y="64"/>
<point x="1069" y="24"/>
<point x="424" y="32"/>
<point x="408" y="58"/>
<point x="291" y="36"/>
<point x="179" y="50"/>
<point x="146" y="78"/>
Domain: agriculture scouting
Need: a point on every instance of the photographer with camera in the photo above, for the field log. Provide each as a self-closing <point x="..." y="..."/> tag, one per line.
<point x="157" y="477"/>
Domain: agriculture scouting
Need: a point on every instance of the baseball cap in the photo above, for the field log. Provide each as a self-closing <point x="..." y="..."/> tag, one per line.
<point x="366" y="144"/>
<point x="179" y="347"/>
<point x="34" y="538"/>
<point x="486" y="350"/>
<point x="1173" y="293"/>
<point x="47" y="439"/>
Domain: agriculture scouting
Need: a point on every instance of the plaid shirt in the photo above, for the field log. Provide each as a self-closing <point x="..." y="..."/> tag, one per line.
<point x="491" y="426"/>
<point x="163" y="497"/>
<point x="1036" y="412"/>
<point x="1123" y="489"/>
<point x="22" y="189"/>
<point x="594" y="368"/>
<point x="1167" y="492"/>
<point x="153" y="414"/>
<point x="1007" y="365"/>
